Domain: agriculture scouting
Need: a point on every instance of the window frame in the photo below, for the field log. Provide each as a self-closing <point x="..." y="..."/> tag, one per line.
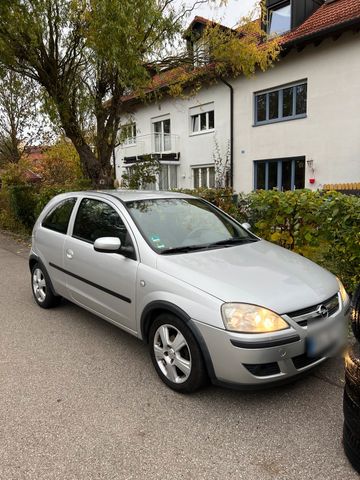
<point x="53" y="208"/>
<point x="274" y="8"/>
<point x="200" y="168"/>
<point x="280" y="90"/>
<point x="157" y="183"/>
<point x="162" y="134"/>
<point x="168" y="166"/>
<point x="280" y="161"/>
<point x="129" y="141"/>
<point x="205" y="130"/>
<point x="121" y="216"/>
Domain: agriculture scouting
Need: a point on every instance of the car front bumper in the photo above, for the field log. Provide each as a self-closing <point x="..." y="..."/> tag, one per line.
<point x="255" y="360"/>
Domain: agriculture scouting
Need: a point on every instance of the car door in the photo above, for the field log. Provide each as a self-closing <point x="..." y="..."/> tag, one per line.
<point x="49" y="239"/>
<point x="105" y="283"/>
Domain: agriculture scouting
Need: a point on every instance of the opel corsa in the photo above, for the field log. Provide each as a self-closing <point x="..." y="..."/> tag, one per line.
<point x="212" y="300"/>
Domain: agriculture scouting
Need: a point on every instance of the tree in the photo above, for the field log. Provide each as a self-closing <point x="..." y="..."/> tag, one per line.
<point x="20" y="119"/>
<point x="60" y="165"/>
<point x="88" y="54"/>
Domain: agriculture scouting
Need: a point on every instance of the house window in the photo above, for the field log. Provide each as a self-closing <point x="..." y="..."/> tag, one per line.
<point x="200" y="52"/>
<point x="285" y="103"/>
<point x="202" y="118"/>
<point x="202" y="122"/>
<point x="162" y="136"/>
<point x="279" y="18"/>
<point x="166" y="180"/>
<point x="282" y="174"/>
<point x="204" y="177"/>
<point x="128" y="134"/>
<point x="168" y="177"/>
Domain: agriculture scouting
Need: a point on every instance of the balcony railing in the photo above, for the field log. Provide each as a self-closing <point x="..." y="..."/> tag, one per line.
<point x="160" y="144"/>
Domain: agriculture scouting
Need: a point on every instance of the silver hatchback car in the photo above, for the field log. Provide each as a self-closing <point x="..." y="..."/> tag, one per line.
<point x="212" y="300"/>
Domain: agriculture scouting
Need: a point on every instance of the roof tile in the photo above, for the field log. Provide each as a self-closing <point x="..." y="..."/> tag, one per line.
<point x="330" y="14"/>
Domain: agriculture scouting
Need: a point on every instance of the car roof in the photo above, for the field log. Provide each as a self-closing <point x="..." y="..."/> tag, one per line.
<point x="133" y="195"/>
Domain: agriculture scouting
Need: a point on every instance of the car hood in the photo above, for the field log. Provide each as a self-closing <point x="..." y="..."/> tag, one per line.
<point x="259" y="273"/>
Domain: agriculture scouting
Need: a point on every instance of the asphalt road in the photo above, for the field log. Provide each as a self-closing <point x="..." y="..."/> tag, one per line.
<point x="79" y="399"/>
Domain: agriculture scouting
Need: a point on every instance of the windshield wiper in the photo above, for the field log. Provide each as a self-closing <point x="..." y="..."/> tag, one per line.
<point x="185" y="249"/>
<point x="208" y="246"/>
<point x="234" y="241"/>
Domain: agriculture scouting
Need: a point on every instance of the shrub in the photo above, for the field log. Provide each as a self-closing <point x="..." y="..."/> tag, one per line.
<point x="321" y="226"/>
<point x="141" y="174"/>
<point x="223" y="198"/>
<point x="7" y="219"/>
<point x="60" y="164"/>
<point x="23" y="204"/>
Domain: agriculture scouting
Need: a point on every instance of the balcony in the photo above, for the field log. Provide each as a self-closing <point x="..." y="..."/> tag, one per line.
<point x="163" y="146"/>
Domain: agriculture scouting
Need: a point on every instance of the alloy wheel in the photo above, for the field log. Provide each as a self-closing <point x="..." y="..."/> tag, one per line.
<point x="39" y="285"/>
<point x="172" y="353"/>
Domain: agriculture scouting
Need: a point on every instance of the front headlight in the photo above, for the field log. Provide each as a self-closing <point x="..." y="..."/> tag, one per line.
<point x="343" y="294"/>
<point x="241" y="317"/>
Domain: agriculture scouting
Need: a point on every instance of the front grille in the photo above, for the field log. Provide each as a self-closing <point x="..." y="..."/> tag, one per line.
<point x="309" y="315"/>
<point x="263" y="369"/>
<point x="303" y="360"/>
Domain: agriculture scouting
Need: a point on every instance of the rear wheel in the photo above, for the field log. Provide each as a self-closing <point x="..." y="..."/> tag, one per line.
<point x="351" y="436"/>
<point x="352" y="411"/>
<point x="352" y="446"/>
<point x="352" y="370"/>
<point x="41" y="289"/>
<point x="176" y="355"/>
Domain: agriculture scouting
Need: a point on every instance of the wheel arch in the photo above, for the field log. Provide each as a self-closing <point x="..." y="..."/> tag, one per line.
<point x="154" y="309"/>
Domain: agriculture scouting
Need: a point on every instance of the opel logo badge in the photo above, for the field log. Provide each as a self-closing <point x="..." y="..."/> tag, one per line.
<point x="322" y="311"/>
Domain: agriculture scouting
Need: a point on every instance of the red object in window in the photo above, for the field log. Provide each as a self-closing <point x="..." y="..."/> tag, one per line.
<point x="312" y="180"/>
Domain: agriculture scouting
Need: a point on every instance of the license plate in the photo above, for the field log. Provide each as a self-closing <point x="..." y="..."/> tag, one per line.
<point x="325" y="341"/>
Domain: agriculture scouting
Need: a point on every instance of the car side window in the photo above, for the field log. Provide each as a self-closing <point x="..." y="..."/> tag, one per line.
<point x="58" y="218"/>
<point x="97" y="219"/>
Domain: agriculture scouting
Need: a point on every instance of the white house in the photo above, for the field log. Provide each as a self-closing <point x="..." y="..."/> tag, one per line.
<point x="296" y="125"/>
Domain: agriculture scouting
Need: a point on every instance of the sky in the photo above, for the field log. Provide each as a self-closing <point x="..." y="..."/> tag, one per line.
<point x="228" y="15"/>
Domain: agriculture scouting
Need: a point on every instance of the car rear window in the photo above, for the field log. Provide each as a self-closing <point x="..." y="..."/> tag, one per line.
<point x="59" y="216"/>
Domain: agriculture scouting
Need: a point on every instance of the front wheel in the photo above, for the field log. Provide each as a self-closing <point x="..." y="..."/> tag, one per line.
<point x="41" y="289"/>
<point x="176" y="355"/>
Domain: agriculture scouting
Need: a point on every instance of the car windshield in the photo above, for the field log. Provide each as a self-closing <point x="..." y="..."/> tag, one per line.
<point x="180" y="225"/>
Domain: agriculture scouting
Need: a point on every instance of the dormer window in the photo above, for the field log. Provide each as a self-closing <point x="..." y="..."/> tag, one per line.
<point x="200" y="52"/>
<point x="279" y="18"/>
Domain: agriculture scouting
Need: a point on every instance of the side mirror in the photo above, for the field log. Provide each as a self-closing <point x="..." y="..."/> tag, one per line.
<point x="247" y="226"/>
<point x="107" y="244"/>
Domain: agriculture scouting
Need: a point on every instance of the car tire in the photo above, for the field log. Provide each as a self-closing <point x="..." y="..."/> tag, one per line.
<point x="352" y="370"/>
<point x="351" y="444"/>
<point x="176" y="355"/>
<point x="352" y="411"/>
<point x="355" y="313"/>
<point x="41" y="287"/>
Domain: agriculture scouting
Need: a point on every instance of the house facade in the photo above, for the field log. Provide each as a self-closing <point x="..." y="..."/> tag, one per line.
<point x="297" y="125"/>
<point x="183" y="133"/>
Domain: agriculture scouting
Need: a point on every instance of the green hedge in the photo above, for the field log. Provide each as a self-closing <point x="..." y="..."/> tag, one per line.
<point x="23" y="204"/>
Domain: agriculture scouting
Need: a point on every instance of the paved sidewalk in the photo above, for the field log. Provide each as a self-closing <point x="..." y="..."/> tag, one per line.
<point x="79" y="399"/>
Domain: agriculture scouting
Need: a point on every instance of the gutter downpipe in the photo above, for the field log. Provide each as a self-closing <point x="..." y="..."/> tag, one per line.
<point x="231" y="131"/>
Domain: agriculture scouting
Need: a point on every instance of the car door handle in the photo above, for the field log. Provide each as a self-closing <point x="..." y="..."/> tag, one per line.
<point x="69" y="253"/>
